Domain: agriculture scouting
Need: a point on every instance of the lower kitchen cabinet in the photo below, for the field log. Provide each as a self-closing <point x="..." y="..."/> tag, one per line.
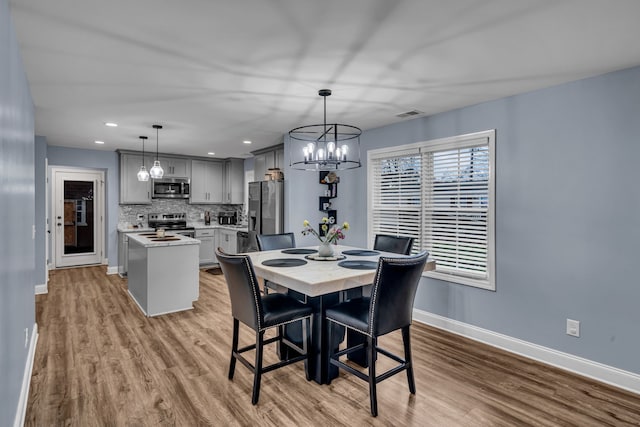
<point x="228" y="240"/>
<point x="123" y="253"/>
<point x="207" y="239"/>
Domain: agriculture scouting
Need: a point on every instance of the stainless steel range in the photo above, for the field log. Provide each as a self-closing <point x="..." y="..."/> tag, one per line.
<point x="173" y="222"/>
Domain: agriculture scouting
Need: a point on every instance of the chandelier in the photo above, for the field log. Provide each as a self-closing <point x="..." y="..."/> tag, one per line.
<point x="156" y="171"/>
<point x="325" y="147"/>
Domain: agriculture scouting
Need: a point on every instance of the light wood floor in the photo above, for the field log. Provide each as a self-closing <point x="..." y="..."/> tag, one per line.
<point x="100" y="362"/>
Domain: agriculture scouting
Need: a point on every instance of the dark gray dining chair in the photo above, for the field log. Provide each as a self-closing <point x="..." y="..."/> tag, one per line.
<point x="396" y="244"/>
<point x="389" y="308"/>
<point x="385" y="243"/>
<point x="270" y="242"/>
<point x="261" y="312"/>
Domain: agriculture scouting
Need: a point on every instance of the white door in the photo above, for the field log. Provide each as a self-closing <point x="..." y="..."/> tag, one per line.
<point x="78" y="212"/>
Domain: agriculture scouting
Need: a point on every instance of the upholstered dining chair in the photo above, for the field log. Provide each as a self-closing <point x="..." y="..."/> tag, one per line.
<point x="389" y="308"/>
<point x="386" y="243"/>
<point x="261" y="312"/>
<point x="269" y="242"/>
<point x="396" y="244"/>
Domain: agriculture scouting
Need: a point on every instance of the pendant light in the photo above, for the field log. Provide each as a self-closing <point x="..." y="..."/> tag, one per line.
<point x="156" y="171"/>
<point x="143" y="175"/>
<point x="325" y="147"/>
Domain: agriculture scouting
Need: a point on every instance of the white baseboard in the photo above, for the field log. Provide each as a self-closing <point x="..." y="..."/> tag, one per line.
<point x="42" y="289"/>
<point x="21" y="411"/>
<point x="588" y="368"/>
<point x="112" y="270"/>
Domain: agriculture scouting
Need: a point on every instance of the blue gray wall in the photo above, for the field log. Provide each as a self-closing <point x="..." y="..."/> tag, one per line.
<point x="567" y="209"/>
<point x="41" y="209"/>
<point x="17" y="301"/>
<point x="103" y="160"/>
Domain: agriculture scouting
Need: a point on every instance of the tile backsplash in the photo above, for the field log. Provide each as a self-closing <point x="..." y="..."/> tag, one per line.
<point x="129" y="213"/>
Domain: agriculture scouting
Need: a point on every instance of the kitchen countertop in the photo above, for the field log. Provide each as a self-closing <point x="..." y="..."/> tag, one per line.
<point x="128" y="228"/>
<point x="148" y="241"/>
<point x="201" y="226"/>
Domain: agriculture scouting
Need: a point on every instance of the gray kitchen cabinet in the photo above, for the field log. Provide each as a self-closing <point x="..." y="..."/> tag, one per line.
<point x="263" y="160"/>
<point x="206" y="181"/>
<point x="175" y="167"/>
<point x="133" y="191"/>
<point x="123" y="254"/>
<point x="279" y="158"/>
<point x="233" y="181"/>
<point x="207" y="237"/>
<point x="228" y="240"/>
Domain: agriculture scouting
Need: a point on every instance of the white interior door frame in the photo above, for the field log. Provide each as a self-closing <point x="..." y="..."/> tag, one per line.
<point x="58" y="176"/>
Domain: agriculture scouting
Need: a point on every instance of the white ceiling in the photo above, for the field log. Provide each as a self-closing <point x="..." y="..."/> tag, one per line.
<point x="215" y="73"/>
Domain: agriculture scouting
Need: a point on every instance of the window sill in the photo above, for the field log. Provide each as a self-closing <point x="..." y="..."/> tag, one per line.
<point x="461" y="280"/>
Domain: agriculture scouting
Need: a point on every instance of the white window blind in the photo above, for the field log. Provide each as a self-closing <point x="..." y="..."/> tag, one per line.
<point x="441" y="193"/>
<point x="397" y="195"/>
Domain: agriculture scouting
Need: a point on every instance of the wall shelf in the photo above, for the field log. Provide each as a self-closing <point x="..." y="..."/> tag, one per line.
<point x="324" y="202"/>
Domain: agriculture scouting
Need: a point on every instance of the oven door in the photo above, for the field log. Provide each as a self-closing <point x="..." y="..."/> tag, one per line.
<point x="187" y="233"/>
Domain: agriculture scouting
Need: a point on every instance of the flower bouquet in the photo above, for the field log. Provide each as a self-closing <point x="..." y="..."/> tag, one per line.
<point x="331" y="235"/>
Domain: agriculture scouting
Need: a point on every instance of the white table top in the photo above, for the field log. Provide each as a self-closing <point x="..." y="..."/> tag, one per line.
<point x="317" y="278"/>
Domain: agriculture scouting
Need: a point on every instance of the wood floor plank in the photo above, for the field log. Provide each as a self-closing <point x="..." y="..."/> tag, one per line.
<point x="100" y="362"/>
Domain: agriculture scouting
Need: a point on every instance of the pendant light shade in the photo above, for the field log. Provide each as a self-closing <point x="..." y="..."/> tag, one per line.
<point x="325" y="147"/>
<point x="143" y="175"/>
<point x="156" y="171"/>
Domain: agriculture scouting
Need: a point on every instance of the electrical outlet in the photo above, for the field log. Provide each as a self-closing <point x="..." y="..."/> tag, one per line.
<point x="202" y="215"/>
<point x="573" y="327"/>
<point x="26" y="337"/>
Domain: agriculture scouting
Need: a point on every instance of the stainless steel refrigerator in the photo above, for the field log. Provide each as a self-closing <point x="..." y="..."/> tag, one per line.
<point x="266" y="209"/>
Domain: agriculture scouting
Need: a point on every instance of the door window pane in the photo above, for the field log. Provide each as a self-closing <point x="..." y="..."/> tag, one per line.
<point x="78" y="217"/>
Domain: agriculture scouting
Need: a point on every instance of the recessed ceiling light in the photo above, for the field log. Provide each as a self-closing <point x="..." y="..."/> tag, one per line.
<point x="211" y="153"/>
<point x="247" y="141"/>
<point x="99" y="142"/>
<point x="111" y="124"/>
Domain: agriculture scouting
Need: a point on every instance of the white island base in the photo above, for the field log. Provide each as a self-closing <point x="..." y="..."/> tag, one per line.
<point x="163" y="278"/>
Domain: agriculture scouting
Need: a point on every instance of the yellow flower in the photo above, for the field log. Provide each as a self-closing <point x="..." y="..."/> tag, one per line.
<point x="345" y="225"/>
<point x="305" y="223"/>
<point x="325" y="227"/>
<point x="325" y="220"/>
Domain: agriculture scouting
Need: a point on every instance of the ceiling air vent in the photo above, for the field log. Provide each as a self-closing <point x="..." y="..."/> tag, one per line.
<point x="410" y="114"/>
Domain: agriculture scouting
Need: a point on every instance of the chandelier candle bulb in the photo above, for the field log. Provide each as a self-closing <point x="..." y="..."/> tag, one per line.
<point x="330" y="149"/>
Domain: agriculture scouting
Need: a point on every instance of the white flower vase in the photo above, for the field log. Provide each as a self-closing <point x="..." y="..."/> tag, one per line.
<point x="325" y="249"/>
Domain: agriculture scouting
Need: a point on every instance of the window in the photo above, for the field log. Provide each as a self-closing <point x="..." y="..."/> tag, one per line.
<point x="441" y="193"/>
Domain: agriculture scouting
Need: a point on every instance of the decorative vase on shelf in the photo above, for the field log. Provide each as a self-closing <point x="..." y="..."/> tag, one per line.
<point x="325" y="249"/>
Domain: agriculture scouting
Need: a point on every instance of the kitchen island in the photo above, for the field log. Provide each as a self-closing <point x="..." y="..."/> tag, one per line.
<point x="163" y="273"/>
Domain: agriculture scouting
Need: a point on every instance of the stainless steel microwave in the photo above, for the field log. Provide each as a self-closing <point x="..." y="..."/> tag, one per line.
<point x="171" y="188"/>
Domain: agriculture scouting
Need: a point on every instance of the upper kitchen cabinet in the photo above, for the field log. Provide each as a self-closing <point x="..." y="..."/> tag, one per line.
<point x="133" y="191"/>
<point x="272" y="157"/>
<point x="206" y="181"/>
<point x="233" y="181"/>
<point x="175" y="167"/>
